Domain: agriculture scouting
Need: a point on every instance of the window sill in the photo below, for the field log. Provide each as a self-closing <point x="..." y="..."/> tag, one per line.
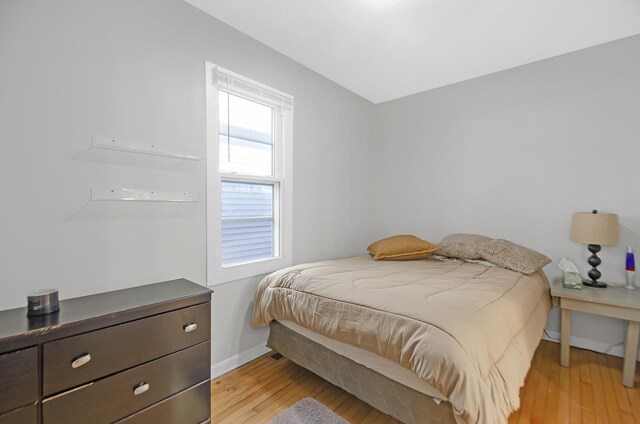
<point x="240" y="272"/>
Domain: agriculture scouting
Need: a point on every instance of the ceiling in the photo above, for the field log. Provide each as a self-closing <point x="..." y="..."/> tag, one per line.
<point x="386" y="49"/>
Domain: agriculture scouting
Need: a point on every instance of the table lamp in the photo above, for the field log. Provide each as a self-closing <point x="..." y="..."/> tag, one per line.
<point x="595" y="229"/>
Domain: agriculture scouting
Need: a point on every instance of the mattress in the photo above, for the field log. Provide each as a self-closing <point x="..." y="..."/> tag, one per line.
<point x="370" y="360"/>
<point x="466" y="329"/>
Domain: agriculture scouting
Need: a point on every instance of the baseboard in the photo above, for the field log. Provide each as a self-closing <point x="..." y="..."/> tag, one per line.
<point x="615" y="350"/>
<point x="238" y="360"/>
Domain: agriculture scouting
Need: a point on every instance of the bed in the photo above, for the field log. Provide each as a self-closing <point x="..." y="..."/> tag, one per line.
<point x="424" y="341"/>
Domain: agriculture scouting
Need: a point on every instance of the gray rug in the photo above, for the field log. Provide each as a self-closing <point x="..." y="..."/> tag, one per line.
<point x="308" y="411"/>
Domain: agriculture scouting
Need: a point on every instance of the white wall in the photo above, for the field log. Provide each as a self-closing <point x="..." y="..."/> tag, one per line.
<point x="70" y="69"/>
<point x="513" y="154"/>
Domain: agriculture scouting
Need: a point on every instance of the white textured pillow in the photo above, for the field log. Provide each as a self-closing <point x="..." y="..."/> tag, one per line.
<point x="463" y="246"/>
<point x="512" y="256"/>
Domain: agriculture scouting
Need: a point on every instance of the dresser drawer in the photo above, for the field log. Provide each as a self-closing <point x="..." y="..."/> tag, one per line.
<point x="80" y="359"/>
<point x="193" y="406"/>
<point x="18" y="379"/>
<point x="25" y="415"/>
<point x="113" y="398"/>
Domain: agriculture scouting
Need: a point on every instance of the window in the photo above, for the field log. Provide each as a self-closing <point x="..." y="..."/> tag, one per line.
<point x="249" y="130"/>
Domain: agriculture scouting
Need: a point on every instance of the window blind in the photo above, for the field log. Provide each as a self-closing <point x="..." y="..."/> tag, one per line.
<point x="230" y="81"/>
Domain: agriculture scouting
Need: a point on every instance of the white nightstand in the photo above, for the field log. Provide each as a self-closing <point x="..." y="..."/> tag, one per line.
<point x="616" y="302"/>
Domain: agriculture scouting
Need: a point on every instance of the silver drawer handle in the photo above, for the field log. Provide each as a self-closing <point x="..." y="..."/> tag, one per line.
<point x="188" y="328"/>
<point x="80" y="360"/>
<point x="139" y="389"/>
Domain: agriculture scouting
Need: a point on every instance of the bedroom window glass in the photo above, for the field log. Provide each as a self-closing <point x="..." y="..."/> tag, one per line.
<point x="249" y="128"/>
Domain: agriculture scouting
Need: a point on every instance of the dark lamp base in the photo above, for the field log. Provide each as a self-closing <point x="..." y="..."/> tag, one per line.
<point x="594" y="274"/>
<point x="595" y="284"/>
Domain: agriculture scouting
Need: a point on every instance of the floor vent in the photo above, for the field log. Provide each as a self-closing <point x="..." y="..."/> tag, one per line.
<point x="276" y="356"/>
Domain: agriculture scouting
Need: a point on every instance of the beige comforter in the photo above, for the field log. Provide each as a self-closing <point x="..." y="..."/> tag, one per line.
<point x="467" y="329"/>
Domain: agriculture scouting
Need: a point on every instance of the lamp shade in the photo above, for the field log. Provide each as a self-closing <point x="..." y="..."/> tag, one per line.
<point x="595" y="228"/>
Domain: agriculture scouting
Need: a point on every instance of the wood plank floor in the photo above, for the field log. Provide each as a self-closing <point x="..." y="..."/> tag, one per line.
<point x="590" y="391"/>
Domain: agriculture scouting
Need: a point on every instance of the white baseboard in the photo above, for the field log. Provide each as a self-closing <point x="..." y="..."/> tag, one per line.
<point x="235" y="361"/>
<point x="615" y="350"/>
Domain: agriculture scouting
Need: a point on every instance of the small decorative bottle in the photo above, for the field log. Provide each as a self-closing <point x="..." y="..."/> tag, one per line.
<point x="631" y="270"/>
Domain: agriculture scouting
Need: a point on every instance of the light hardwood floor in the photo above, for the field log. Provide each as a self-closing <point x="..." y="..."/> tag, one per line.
<point x="590" y="391"/>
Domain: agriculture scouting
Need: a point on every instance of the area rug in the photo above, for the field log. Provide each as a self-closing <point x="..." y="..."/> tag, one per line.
<point x="308" y="411"/>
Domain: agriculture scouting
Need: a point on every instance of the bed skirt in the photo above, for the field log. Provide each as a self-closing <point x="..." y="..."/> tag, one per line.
<point x="379" y="391"/>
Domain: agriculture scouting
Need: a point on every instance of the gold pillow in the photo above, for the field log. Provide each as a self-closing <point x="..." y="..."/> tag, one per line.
<point x="401" y="248"/>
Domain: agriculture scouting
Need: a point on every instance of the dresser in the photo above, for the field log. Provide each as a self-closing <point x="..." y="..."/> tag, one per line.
<point x="134" y="356"/>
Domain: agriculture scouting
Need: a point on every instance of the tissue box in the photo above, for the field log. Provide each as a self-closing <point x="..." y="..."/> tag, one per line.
<point x="572" y="280"/>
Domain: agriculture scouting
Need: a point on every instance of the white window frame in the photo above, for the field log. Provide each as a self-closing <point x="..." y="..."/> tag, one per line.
<point x="218" y="78"/>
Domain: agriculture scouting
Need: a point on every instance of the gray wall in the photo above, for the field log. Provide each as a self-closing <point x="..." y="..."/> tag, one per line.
<point x="514" y="154"/>
<point x="135" y="70"/>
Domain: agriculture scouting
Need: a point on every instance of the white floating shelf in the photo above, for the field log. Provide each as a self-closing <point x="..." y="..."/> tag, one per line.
<point x="140" y="195"/>
<point x="111" y="143"/>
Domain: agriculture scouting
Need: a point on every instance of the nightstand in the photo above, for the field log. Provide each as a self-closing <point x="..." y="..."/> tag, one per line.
<point x="615" y="302"/>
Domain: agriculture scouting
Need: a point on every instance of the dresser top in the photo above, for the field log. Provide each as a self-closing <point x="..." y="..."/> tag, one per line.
<point x="88" y="313"/>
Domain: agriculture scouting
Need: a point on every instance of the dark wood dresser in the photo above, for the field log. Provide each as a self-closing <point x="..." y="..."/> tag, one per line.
<point x="139" y="355"/>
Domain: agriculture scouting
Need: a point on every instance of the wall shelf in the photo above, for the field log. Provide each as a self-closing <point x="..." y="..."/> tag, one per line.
<point x="112" y="143"/>
<point x="141" y="195"/>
